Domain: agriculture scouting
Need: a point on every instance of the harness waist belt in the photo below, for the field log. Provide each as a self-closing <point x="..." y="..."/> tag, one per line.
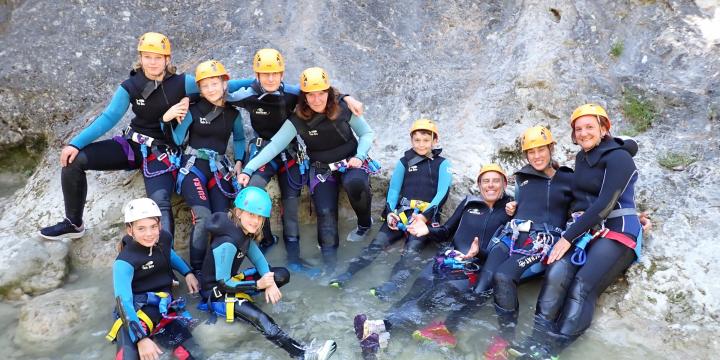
<point x="622" y="212"/>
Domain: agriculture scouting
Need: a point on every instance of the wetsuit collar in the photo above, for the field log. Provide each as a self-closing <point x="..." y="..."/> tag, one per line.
<point x="530" y="170"/>
<point x="414" y="158"/>
<point x="593" y="156"/>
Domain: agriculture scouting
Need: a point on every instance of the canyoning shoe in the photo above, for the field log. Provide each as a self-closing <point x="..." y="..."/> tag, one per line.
<point x="437" y="333"/>
<point x="364" y="327"/>
<point x="370" y="346"/>
<point x="340" y="280"/>
<point x="360" y="233"/>
<point x="385" y="291"/>
<point x="497" y="350"/>
<point x="303" y="267"/>
<point x="359" y="325"/>
<point x="63" y="230"/>
<point x="323" y="352"/>
<point x="267" y="244"/>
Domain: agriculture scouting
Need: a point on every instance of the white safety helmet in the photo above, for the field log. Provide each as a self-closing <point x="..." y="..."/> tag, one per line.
<point x="141" y="208"/>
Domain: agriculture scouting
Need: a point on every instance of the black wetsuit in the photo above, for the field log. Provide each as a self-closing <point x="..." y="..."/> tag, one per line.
<point x="329" y="141"/>
<point x="208" y="128"/>
<point x="436" y="290"/>
<point x="268" y="112"/>
<point x="137" y="271"/>
<point x="604" y="181"/>
<point x="426" y="179"/>
<point x="149" y="101"/>
<point x="223" y="260"/>
<point x="546" y="202"/>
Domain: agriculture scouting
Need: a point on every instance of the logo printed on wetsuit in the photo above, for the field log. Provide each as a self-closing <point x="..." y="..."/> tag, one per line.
<point x="148" y="265"/>
<point x="204" y="121"/>
<point x="524" y="183"/>
<point x="312" y="132"/>
<point x="240" y="254"/>
<point x="199" y="188"/>
<point x="261" y="111"/>
<point x="412" y="168"/>
<point x="528" y="260"/>
<point x="140" y="102"/>
<point x="475" y="211"/>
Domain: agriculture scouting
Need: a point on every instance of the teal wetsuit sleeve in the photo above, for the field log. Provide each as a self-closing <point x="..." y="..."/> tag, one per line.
<point x="110" y="117"/>
<point x="443" y="186"/>
<point x="178" y="264"/>
<point x="190" y="85"/>
<point x="365" y="136"/>
<point x="223" y="256"/>
<point x="236" y="84"/>
<point x="240" y="94"/>
<point x="258" y="259"/>
<point x="277" y="144"/>
<point x="292" y="89"/>
<point x="396" y="181"/>
<point x="180" y="130"/>
<point x="123" y="274"/>
<point x="239" y="138"/>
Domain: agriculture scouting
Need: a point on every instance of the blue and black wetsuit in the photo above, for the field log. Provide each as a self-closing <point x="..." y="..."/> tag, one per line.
<point x="604" y="183"/>
<point x="208" y="129"/>
<point x="137" y="271"/>
<point x="268" y="112"/>
<point x="418" y="182"/>
<point x="228" y="249"/>
<point x="328" y="141"/>
<point x="545" y="201"/>
<point x="439" y="290"/>
<point x="149" y="100"/>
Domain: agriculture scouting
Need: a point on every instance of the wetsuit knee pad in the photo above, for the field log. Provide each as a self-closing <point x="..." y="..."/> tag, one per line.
<point x="161" y="198"/>
<point x="282" y="275"/>
<point x="504" y="290"/>
<point x="200" y="214"/>
<point x="579" y="289"/>
<point x="79" y="163"/>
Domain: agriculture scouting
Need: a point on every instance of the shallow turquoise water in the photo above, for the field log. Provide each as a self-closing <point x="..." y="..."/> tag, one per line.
<point x="311" y="310"/>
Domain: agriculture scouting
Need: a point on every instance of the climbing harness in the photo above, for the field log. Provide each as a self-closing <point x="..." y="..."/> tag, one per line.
<point x="169" y="309"/>
<point x="246" y="281"/>
<point x="220" y="167"/>
<point x="151" y="149"/>
<point x="579" y="256"/>
<point x="370" y="166"/>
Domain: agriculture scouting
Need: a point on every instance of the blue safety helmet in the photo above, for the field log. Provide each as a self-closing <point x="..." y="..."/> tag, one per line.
<point x="254" y="200"/>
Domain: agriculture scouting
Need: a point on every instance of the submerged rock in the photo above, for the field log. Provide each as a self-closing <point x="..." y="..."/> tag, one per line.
<point x="49" y="319"/>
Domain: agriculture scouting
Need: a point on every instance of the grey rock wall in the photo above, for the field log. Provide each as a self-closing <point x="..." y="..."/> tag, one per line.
<point x="484" y="70"/>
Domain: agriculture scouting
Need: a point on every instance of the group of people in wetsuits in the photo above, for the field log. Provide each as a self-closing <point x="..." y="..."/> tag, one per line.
<point x="580" y="228"/>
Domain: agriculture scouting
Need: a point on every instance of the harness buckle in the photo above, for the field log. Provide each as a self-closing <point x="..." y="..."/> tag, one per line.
<point x="320" y="177"/>
<point x="162" y="156"/>
<point x="184" y="170"/>
<point x="216" y="292"/>
<point x="258" y="141"/>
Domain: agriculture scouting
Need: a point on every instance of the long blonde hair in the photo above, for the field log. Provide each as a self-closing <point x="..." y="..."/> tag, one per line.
<point x="170" y="68"/>
<point x="258" y="236"/>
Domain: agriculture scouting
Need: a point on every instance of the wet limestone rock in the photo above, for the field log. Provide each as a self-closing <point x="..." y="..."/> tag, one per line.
<point x="48" y="319"/>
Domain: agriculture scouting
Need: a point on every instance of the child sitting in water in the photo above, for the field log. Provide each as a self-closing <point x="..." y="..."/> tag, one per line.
<point x="227" y="288"/>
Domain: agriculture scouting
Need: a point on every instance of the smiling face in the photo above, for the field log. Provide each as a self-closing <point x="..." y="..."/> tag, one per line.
<point x="251" y="223"/>
<point x="492" y="186"/>
<point x="270" y="81"/>
<point x="317" y="100"/>
<point x="423" y="142"/>
<point x="213" y="88"/>
<point x="540" y="157"/>
<point x="153" y="64"/>
<point x="588" y="132"/>
<point x="145" y="231"/>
